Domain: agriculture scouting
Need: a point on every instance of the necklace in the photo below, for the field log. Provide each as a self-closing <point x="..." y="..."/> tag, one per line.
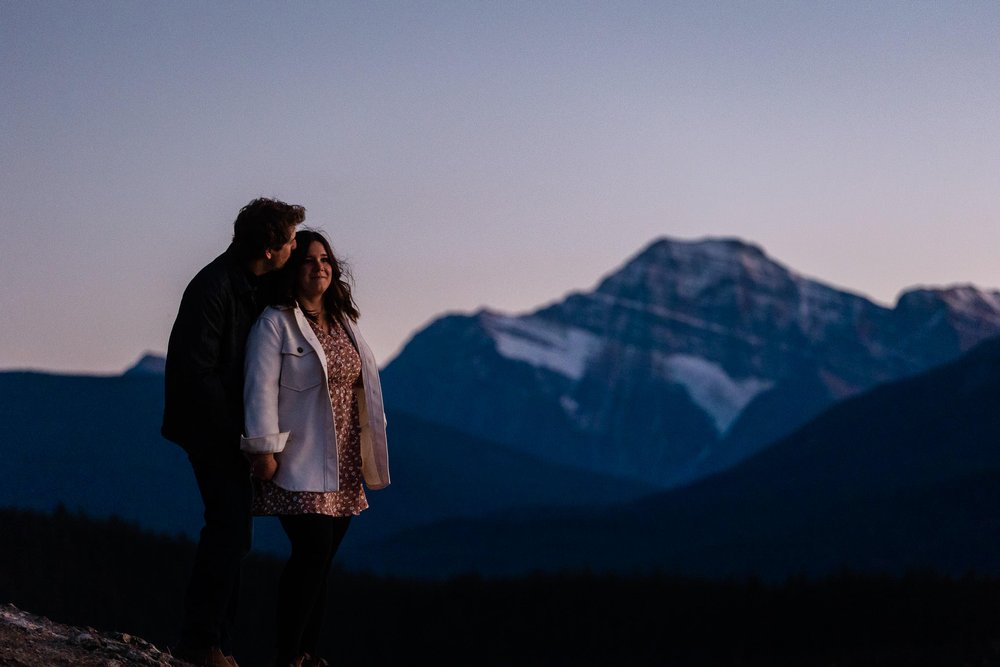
<point x="319" y="319"/>
<point x="323" y="322"/>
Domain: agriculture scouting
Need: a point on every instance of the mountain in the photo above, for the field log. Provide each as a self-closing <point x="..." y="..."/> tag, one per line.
<point x="691" y="357"/>
<point x="93" y="444"/>
<point x="149" y="364"/>
<point x="900" y="478"/>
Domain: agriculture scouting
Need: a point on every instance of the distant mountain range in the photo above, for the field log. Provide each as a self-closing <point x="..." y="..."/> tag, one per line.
<point x="688" y="359"/>
<point x="905" y="477"/>
<point x="799" y="428"/>
<point x="93" y="444"/>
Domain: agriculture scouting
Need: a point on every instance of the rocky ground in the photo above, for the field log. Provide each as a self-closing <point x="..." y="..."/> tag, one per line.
<point x="27" y="640"/>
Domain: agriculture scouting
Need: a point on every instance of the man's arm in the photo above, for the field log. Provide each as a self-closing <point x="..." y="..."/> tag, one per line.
<point x="195" y="352"/>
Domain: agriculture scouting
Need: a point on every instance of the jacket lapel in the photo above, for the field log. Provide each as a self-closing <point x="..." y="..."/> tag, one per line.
<point x="310" y="336"/>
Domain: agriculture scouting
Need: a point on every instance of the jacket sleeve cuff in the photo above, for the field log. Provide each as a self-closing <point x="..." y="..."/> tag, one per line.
<point x="264" y="444"/>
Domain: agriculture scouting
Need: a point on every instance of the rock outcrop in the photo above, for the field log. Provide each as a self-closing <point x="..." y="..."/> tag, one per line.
<point x="27" y="640"/>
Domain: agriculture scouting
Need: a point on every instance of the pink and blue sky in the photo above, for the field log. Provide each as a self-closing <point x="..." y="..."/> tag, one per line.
<point x="481" y="154"/>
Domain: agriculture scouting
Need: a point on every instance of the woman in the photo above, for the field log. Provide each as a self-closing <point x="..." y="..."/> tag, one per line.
<point x="315" y="429"/>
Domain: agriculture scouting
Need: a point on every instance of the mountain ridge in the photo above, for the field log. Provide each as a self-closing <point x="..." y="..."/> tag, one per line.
<point x="677" y="364"/>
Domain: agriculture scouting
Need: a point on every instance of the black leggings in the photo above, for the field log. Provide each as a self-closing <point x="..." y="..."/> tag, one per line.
<point x="302" y="589"/>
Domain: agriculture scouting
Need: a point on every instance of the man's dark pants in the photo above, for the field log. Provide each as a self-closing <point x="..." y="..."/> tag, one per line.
<point x="211" y="600"/>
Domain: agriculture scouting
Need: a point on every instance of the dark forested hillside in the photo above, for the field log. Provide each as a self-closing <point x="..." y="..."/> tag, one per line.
<point x="109" y="575"/>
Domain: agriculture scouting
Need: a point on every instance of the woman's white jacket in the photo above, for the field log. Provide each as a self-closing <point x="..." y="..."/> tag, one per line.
<point x="288" y="410"/>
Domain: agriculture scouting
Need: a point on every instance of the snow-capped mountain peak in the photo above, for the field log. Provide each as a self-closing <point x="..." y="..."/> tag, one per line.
<point x="690" y="267"/>
<point x="686" y="359"/>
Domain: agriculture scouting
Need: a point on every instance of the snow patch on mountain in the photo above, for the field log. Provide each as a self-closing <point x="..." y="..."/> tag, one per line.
<point x="709" y="386"/>
<point x="564" y="350"/>
<point x="569" y="405"/>
<point x="971" y="301"/>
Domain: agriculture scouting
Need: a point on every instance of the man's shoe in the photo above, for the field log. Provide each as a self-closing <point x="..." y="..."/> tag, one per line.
<point x="211" y="656"/>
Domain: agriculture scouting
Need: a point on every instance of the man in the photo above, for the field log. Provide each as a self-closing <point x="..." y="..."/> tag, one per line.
<point x="203" y="413"/>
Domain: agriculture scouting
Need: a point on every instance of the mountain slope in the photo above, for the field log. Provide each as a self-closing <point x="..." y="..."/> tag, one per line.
<point x="93" y="443"/>
<point x="904" y="476"/>
<point x="439" y="474"/>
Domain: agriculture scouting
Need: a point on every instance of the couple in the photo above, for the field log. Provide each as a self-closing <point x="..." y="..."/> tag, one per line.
<point x="275" y="397"/>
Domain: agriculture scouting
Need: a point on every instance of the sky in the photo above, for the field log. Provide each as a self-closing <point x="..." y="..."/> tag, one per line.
<point x="466" y="155"/>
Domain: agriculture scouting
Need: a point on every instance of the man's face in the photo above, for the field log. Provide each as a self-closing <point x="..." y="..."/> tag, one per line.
<point x="278" y="256"/>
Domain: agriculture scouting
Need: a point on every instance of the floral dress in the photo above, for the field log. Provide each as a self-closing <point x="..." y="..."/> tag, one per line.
<point x="344" y="370"/>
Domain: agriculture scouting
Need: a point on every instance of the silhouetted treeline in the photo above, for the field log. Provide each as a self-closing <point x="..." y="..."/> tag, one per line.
<point x="112" y="576"/>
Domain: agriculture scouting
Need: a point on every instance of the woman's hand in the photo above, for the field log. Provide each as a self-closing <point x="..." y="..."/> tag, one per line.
<point x="263" y="466"/>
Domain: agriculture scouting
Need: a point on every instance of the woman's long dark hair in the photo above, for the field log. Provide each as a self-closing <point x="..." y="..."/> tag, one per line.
<point x="337" y="298"/>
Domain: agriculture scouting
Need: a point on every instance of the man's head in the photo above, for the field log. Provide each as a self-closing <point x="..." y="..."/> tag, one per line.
<point x="265" y="230"/>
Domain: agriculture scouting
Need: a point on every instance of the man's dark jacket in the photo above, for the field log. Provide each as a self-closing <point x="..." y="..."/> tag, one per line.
<point x="203" y="398"/>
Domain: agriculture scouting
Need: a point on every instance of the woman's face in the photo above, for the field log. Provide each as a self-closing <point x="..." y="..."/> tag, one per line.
<point x="315" y="273"/>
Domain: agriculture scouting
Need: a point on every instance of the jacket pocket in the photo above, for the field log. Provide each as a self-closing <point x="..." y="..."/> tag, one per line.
<point x="300" y="367"/>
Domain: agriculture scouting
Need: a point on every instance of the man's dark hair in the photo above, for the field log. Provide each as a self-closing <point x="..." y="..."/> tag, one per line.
<point x="265" y="223"/>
